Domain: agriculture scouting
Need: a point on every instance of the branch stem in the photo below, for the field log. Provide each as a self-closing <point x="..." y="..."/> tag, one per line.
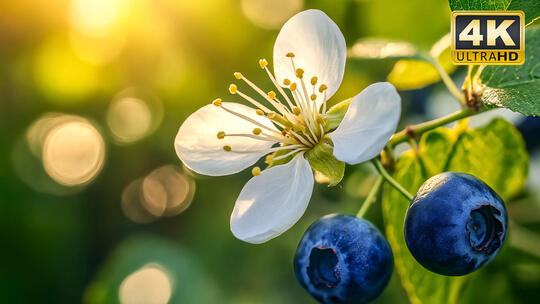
<point x="370" y="198"/>
<point x="419" y="129"/>
<point x="449" y="82"/>
<point x="382" y="171"/>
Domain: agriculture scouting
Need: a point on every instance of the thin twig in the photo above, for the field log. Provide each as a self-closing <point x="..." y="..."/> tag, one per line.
<point x="370" y="198"/>
<point x="377" y="163"/>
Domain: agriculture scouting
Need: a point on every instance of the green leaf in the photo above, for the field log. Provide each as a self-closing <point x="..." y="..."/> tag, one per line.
<point x="516" y="87"/>
<point x="531" y="8"/>
<point x="410" y="74"/>
<point x="495" y="153"/>
<point x="479" y="5"/>
<point x="321" y="158"/>
<point x="416" y="74"/>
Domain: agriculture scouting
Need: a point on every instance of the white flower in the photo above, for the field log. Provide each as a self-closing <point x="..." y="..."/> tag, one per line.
<point x="226" y="137"/>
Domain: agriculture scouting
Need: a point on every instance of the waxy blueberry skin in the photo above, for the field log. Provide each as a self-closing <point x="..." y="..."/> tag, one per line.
<point x="343" y="259"/>
<point x="455" y="224"/>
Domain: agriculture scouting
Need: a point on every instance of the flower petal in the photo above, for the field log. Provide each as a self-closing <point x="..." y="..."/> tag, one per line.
<point x="319" y="49"/>
<point x="200" y="150"/>
<point x="369" y="123"/>
<point x="272" y="202"/>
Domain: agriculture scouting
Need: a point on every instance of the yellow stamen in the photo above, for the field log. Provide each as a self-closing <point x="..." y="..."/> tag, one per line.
<point x="286" y="82"/>
<point x="256" y="171"/>
<point x="279" y="119"/>
<point x="322" y="88"/>
<point x="299" y="128"/>
<point x="217" y="102"/>
<point x="263" y="63"/>
<point x="227" y="148"/>
<point x="296" y="111"/>
<point x="299" y="73"/>
<point x="259" y="112"/>
<point x="238" y="75"/>
<point x="314" y="80"/>
<point x="221" y="135"/>
<point x="290" y="54"/>
<point x="233" y="89"/>
<point x="313" y="97"/>
<point x="271" y="94"/>
<point x="293" y="86"/>
<point x="257" y="131"/>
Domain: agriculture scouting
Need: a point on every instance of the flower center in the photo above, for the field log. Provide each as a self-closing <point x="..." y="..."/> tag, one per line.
<point x="296" y="114"/>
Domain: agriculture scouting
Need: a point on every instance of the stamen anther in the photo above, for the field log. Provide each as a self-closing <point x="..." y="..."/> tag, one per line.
<point x="227" y="148"/>
<point x="257" y="131"/>
<point x="233" y="89"/>
<point x="299" y="73"/>
<point x="221" y="135"/>
<point x="290" y="54"/>
<point x="314" y="80"/>
<point x="293" y="86"/>
<point x="217" y="102"/>
<point x="238" y="75"/>
<point x="322" y="88"/>
<point x="271" y="94"/>
<point x="286" y="82"/>
<point x="256" y="171"/>
<point x="259" y="112"/>
<point x="263" y="63"/>
<point x="313" y="97"/>
<point x="296" y="111"/>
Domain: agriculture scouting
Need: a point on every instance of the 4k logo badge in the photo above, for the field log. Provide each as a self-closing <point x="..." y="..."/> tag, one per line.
<point x="488" y="37"/>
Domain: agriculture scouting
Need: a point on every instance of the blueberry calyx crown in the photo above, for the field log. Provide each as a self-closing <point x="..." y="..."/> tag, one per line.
<point x="484" y="229"/>
<point x="322" y="269"/>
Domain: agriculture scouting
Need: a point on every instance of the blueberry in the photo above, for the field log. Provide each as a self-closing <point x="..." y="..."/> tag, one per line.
<point x="343" y="259"/>
<point x="529" y="128"/>
<point x="455" y="224"/>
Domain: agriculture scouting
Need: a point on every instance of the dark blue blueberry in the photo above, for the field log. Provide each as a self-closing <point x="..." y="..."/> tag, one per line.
<point x="530" y="128"/>
<point x="343" y="259"/>
<point x="455" y="224"/>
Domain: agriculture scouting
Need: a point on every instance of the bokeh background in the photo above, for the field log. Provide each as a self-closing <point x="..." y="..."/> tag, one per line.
<point x="95" y="207"/>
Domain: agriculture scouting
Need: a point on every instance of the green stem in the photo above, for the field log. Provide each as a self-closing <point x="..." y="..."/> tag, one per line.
<point x="449" y="82"/>
<point x="370" y="198"/>
<point x="377" y="163"/>
<point x="419" y="129"/>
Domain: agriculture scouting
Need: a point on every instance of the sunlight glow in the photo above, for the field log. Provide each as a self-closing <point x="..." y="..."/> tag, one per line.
<point x="132" y="206"/>
<point x="73" y="153"/>
<point x="61" y="74"/>
<point x="166" y="191"/>
<point x="149" y="285"/>
<point x="129" y="119"/>
<point x="95" y="17"/>
<point x="270" y="14"/>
